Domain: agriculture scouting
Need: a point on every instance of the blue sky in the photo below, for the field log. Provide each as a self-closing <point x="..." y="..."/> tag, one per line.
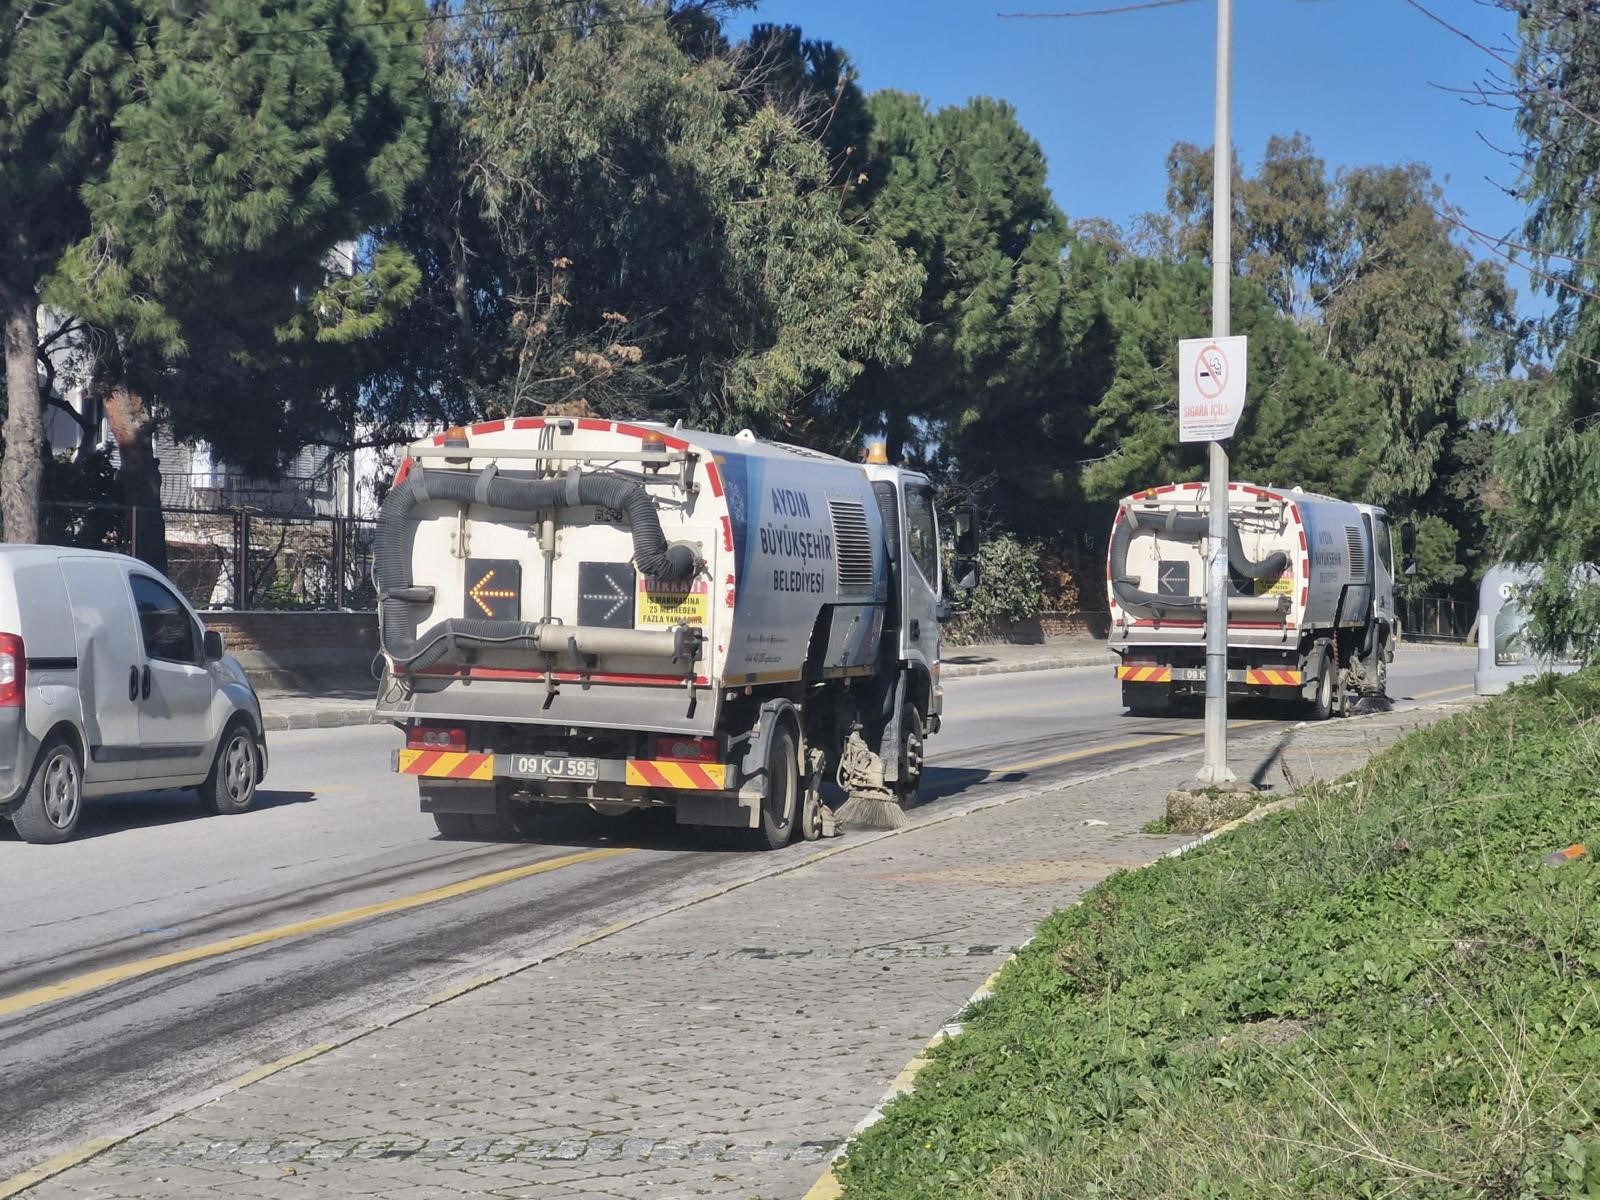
<point x="1107" y="96"/>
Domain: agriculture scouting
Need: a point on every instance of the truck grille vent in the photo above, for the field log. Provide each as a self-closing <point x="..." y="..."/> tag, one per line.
<point x="852" y="541"/>
<point x="1358" y="553"/>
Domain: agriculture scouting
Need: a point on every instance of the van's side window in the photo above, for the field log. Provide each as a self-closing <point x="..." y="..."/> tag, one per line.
<point x="169" y="632"/>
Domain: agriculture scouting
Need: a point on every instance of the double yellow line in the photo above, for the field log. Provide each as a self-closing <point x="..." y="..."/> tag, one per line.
<point x="94" y="980"/>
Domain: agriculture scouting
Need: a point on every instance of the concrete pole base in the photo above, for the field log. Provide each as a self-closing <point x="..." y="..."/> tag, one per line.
<point x="1213" y="775"/>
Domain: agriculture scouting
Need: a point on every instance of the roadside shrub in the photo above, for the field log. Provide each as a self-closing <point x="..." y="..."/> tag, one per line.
<point x="1010" y="587"/>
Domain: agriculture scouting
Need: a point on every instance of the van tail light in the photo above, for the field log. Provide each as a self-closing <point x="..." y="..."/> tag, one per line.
<point x="687" y="749"/>
<point x="436" y="737"/>
<point x="13" y="671"/>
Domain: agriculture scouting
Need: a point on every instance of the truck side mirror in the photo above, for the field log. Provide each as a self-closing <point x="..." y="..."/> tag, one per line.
<point x="964" y="525"/>
<point x="213" y="645"/>
<point x="1408" y="548"/>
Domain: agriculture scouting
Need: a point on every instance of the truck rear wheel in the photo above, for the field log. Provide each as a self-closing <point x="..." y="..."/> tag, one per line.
<point x="781" y="805"/>
<point x="512" y="820"/>
<point x="456" y="827"/>
<point x="1147" y="699"/>
<point x="1322" y="703"/>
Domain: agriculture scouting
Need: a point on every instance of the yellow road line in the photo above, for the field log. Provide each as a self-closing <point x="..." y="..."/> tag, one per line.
<point x="272" y="1068"/>
<point x="54" y="1166"/>
<point x="1460" y="687"/>
<point x="94" y="980"/>
<point x="1158" y="739"/>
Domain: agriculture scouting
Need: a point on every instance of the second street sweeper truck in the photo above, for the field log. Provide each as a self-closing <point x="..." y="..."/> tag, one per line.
<point x="582" y="611"/>
<point x="1311" y="608"/>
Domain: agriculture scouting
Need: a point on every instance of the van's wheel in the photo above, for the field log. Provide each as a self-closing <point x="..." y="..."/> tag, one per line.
<point x="911" y="743"/>
<point x="231" y="786"/>
<point x="781" y="807"/>
<point x="455" y="827"/>
<point x="54" y="800"/>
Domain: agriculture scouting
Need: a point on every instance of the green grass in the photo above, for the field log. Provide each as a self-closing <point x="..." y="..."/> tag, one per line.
<point x="1381" y="993"/>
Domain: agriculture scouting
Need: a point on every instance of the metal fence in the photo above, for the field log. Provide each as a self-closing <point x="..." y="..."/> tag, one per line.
<point x="234" y="557"/>
<point x="1438" y="618"/>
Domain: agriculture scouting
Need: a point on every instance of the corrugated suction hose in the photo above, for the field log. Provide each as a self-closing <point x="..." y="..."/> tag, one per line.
<point x="1186" y="527"/>
<point x="399" y="598"/>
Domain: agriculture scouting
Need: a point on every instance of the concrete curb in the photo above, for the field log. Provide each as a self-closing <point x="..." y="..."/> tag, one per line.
<point x="326" y="718"/>
<point x="1055" y="663"/>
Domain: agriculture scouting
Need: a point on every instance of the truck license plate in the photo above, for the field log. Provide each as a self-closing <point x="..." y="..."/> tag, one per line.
<point x="550" y="766"/>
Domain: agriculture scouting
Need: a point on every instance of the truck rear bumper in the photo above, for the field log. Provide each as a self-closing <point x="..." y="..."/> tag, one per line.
<point x="462" y="767"/>
<point x="698" y="793"/>
<point x="1251" y="677"/>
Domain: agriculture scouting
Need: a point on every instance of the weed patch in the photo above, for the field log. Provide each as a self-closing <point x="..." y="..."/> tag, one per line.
<point x="1380" y="992"/>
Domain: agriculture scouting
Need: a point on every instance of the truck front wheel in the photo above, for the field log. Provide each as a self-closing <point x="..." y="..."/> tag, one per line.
<point x="910" y="753"/>
<point x="781" y="805"/>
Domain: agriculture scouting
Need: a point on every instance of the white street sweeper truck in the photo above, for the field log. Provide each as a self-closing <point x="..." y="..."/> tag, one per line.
<point x="582" y="611"/>
<point x="1311" y="609"/>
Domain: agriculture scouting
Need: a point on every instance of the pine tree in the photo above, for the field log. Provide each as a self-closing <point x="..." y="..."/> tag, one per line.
<point x="245" y="141"/>
<point x="1307" y="423"/>
<point x="643" y="230"/>
<point x="63" y="70"/>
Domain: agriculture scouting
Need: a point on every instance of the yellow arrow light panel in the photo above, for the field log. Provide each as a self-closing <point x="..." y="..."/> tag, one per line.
<point x="494" y="589"/>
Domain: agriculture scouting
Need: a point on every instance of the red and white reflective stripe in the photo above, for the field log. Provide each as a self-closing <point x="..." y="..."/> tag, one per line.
<point x="1273" y="677"/>
<point x="665" y="773"/>
<point x="1144" y="674"/>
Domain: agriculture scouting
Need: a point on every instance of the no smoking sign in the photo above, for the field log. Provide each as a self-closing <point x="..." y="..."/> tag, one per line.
<point x="1211" y="384"/>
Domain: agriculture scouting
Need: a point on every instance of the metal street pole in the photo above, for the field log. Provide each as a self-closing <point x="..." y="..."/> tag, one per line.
<point x="1216" y="770"/>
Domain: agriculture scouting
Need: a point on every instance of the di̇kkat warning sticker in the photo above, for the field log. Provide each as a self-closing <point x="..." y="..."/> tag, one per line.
<point x="681" y="603"/>
<point x="1278" y="585"/>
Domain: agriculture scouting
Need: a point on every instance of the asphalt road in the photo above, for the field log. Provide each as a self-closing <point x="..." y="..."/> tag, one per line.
<point x="163" y="951"/>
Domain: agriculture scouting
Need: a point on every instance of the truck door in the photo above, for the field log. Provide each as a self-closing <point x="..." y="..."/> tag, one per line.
<point x="109" y="657"/>
<point x="1383" y="576"/>
<point x="919" y="593"/>
<point x="176" y="689"/>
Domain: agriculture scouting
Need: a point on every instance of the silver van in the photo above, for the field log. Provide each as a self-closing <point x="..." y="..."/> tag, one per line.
<point x="109" y="683"/>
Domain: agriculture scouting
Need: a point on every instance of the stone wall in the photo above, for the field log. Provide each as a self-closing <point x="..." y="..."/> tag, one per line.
<point x="302" y="651"/>
<point x="322" y="652"/>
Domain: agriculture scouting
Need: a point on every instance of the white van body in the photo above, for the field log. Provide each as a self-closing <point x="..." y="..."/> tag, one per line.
<point x="109" y="683"/>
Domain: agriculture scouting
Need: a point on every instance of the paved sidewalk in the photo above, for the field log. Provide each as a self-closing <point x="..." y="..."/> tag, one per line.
<point x="724" y="1049"/>
<point x="1002" y="658"/>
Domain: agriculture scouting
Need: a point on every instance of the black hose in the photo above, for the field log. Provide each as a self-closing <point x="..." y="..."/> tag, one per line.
<point x="399" y="599"/>
<point x="1186" y="527"/>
